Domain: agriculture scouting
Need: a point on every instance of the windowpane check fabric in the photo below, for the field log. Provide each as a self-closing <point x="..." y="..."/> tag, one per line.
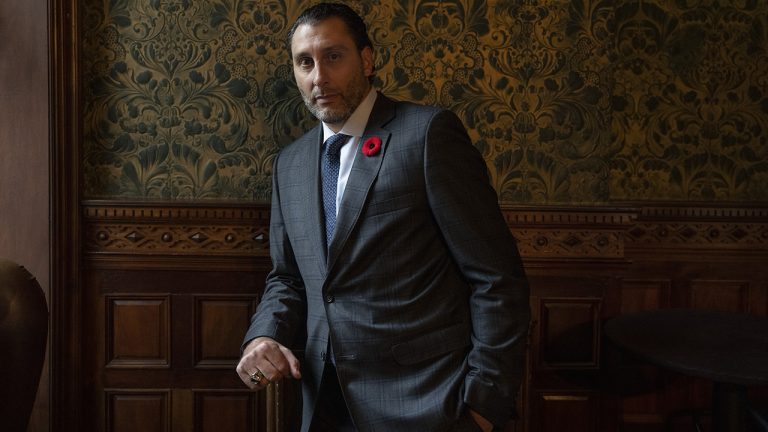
<point x="330" y="177"/>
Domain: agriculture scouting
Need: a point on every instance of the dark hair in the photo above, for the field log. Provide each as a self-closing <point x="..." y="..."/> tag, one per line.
<point x="323" y="11"/>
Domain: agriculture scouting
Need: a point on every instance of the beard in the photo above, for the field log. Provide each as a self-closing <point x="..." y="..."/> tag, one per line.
<point x="350" y="98"/>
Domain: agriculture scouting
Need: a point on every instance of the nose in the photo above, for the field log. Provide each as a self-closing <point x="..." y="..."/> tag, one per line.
<point x="319" y="74"/>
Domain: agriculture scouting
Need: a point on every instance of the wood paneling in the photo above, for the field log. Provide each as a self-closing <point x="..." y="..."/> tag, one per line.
<point x="567" y="411"/>
<point x="225" y="411"/>
<point x="725" y="295"/>
<point x="68" y="399"/>
<point x="219" y="323"/>
<point x="644" y="294"/>
<point x="171" y="314"/>
<point x="138" y="331"/>
<point x="569" y="333"/>
<point x="132" y="410"/>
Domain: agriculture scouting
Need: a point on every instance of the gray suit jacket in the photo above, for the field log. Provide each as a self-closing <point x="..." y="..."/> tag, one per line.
<point x="422" y="290"/>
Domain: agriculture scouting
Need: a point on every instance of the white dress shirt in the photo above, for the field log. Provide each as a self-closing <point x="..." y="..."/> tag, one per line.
<point x="354" y="127"/>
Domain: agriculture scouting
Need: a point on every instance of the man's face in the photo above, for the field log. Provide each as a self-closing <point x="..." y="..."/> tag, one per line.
<point x="332" y="75"/>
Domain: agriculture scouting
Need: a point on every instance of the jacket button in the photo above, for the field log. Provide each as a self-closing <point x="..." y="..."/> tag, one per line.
<point x="329" y="298"/>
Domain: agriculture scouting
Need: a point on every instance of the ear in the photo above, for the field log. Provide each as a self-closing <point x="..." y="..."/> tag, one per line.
<point x="367" y="55"/>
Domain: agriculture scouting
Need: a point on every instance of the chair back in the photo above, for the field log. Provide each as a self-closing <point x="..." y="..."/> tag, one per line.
<point x="23" y="340"/>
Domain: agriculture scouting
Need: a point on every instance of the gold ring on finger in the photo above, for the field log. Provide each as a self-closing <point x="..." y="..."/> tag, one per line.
<point x="257" y="376"/>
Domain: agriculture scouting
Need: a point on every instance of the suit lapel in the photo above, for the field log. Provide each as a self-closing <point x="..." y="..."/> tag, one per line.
<point x="361" y="177"/>
<point x="314" y="215"/>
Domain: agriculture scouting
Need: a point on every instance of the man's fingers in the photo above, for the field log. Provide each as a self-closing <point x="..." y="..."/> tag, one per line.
<point x="273" y="360"/>
<point x="293" y="363"/>
<point x="246" y="373"/>
<point x="269" y="360"/>
<point x="270" y="371"/>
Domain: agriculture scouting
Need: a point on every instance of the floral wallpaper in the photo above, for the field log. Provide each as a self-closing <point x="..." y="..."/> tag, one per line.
<point x="569" y="101"/>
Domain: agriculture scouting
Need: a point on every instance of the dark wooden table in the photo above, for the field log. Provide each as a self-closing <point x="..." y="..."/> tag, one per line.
<point x="728" y="348"/>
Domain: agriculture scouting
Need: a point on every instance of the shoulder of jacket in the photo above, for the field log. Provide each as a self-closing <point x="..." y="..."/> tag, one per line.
<point x="413" y="107"/>
<point x="300" y="144"/>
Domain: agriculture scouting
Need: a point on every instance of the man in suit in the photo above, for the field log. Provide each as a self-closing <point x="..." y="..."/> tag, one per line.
<point x="393" y="268"/>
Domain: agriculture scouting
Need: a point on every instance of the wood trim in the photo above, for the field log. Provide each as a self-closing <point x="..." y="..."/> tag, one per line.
<point x="703" y="211"/>
<point x="126" y="211"/>
<point x="191" y="236"/>
<point x="176" y="231"/>
<point x="66" y="327"/>
<point x="236" y="235"/>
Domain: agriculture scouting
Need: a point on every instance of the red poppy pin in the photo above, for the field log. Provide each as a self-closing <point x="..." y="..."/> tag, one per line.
<point x="372" y="146"/>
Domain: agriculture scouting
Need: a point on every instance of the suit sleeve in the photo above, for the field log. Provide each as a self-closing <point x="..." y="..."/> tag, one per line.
<point x="282" y="310"/>
<point x="465" y="207"/>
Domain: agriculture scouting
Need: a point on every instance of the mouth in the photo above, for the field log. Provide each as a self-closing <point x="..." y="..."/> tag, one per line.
<point x="324" y="99"/>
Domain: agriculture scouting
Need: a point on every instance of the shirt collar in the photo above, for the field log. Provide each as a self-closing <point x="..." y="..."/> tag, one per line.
<point x="355" y="124"/>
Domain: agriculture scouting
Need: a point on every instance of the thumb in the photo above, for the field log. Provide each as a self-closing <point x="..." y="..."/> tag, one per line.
<point x="293" y="362"/>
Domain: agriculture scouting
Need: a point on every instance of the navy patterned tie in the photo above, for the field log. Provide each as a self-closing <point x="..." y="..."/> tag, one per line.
<point x="330" y="176"/>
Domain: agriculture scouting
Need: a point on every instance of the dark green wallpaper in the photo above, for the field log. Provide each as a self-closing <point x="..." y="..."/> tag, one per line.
<point x="570" y="101"/>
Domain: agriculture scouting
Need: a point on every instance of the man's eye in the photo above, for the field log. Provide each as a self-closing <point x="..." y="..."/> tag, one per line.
<point x="305" y="62"/>
<point x="334" y="56"/>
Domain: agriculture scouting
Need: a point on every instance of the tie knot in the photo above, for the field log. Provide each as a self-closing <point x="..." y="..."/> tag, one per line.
<point x="334" y="142"/>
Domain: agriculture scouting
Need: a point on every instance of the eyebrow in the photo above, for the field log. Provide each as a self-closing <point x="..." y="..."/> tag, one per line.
<point x="337" y="47"/>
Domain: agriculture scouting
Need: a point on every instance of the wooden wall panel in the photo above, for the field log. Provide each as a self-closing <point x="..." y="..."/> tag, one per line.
<point x="585" y="266"/>
<point x="131" y="411"/>
<point x="641" y="406"/>
<point x="170" y="332"/>
<point x="644" y="294"/>
<point x="573" y="412"/>
<point x="638" y="385"/>
<point x="219" y="324"/>
<point x="569" y="333"/>
<point x="138" y="331"/>
<point x="225" y="411"/>
<point x="724" y="295"/>
<point x="168" y="297"/>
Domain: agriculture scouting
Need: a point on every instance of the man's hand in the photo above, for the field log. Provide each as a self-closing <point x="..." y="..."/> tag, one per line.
<point x="265" y="361"/>
<point x="481" y="421"/>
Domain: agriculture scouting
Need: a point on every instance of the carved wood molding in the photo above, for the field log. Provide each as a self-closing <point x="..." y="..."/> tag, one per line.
<point x="172" y="239"/>
<point x="115" y="211"/>
<point x="193" y="236"/>
<point x="587" y="233"/>
<point x="194" y="233"/>
<point x="687" y="211"/>
<point x="572" y="244"/>
<point x="701" y="229"/>
<point x="569" y="216"/>
<point x="729" y="235"/>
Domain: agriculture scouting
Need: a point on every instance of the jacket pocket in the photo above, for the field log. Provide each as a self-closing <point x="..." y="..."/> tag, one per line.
<point x="390" y="204"/>
<point x="432" y="344"/>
